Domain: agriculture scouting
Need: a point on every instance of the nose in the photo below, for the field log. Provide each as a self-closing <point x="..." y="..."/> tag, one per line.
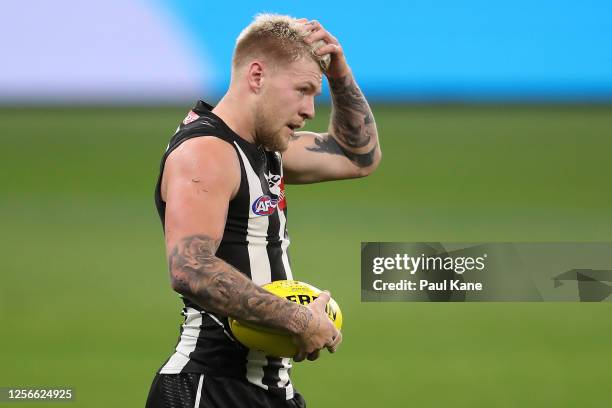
<point x="308" y="110"/>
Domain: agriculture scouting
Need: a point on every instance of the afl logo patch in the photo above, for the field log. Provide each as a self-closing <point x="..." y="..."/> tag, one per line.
<point x="264" y="205"/>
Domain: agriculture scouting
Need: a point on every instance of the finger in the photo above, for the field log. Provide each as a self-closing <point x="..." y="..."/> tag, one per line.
<point x="321" y="34"/>
<point x="313" y="356"/>
<point x="302" y="20"/>
<point x="316" y="27"/>
<point x="335" y="343"/>
<point x="306" y="27"/>
<point x="310" y="27"/>
<point x="315" y="24"/>
<point x="338" y="339"/>
<point x="323" y="298"/>
<point x="329" y="49"/>
<point x="325" y="295"/>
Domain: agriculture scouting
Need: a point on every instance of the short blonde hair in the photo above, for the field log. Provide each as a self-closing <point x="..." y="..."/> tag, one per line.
<point x="278" y="37"/>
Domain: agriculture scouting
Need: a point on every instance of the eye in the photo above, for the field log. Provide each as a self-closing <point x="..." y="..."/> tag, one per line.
<point x="303" y="90"/>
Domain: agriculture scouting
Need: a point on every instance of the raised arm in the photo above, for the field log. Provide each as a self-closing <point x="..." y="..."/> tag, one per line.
<point x="200" y="178"/>
<point x="350" y="148"/>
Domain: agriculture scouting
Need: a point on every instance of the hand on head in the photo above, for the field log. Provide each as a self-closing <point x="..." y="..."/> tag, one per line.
<point x="338" y="66"/>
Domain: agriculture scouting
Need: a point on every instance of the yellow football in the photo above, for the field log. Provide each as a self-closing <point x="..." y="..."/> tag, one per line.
<point x="275" y="342"/>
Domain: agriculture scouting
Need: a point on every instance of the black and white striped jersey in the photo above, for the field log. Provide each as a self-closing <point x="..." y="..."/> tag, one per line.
<point x="255" y="242"/>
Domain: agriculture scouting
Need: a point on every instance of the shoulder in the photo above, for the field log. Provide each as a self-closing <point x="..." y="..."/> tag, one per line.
<point x="209" y="147"/>
<point x="208" y="159"/>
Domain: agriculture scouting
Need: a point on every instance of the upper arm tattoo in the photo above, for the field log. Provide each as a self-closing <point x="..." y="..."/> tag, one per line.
<point x="215" y="285"/>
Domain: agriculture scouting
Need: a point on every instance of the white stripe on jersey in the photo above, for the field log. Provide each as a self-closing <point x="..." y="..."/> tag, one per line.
<point x="281" y="231"/>
<point x="284" y="243"/>
<point x="285" y="381"/>
<point x="254" y="370"/>
<point x="257" y="233"/>
<point x="187" y="343"/>
<point x="199" y="392"/>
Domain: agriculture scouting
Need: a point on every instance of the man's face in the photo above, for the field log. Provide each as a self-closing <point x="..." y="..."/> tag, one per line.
<point x="286" y="102"/>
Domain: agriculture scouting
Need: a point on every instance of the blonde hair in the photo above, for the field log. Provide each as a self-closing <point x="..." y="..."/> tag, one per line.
<point x="278" y="37"/>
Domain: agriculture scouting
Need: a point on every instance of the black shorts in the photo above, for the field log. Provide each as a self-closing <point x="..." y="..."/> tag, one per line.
<point x="193" y="390"/>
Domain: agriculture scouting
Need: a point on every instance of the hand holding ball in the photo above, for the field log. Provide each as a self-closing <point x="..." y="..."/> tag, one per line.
<point x="281" y="344"/>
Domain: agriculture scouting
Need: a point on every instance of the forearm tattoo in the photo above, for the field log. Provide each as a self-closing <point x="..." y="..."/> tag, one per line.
<point x="218" y="287"/>
<point x="352" y="120"/>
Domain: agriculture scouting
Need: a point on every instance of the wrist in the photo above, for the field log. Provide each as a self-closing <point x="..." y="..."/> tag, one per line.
<point x="301" y="320"/>
<point x="339" y="73"/>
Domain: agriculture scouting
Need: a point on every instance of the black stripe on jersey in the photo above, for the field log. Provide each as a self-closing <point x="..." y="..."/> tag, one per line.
<point x="271" y="377"/>
<point x="275" y="252"/>
<point x="273" y="247"/>
<point x="215" y="353"/>
<point x="234" y="246"/>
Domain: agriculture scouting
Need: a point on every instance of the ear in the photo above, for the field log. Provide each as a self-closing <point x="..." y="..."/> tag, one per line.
<point x="255" y="76"/>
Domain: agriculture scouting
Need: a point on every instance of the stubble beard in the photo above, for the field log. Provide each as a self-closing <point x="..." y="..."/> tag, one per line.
<point x="267" y="134"/>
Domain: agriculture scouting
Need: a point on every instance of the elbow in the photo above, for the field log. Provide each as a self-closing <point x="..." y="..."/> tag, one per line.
<point x="180" y="283"/>
<point x="364" y="171"/>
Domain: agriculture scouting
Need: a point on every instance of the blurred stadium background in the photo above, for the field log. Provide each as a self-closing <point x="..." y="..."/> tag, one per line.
<point x="496" y="125"/>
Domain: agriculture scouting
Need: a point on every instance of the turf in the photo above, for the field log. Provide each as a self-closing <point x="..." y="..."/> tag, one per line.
<point x="85" y="300"/>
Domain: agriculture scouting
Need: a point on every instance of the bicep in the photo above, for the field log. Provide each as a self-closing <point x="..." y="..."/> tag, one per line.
<point x="313" y="157"/>
<point x="200" y="178"/>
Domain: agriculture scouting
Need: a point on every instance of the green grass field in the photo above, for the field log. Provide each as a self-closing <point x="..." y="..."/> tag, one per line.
<point x="85" y="299"/>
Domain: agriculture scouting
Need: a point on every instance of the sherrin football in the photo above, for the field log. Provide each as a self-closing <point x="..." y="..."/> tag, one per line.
<point x="274" y="342"/>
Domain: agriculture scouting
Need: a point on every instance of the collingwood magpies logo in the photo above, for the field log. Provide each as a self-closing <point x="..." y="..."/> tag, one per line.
<point x="274" y="182"/>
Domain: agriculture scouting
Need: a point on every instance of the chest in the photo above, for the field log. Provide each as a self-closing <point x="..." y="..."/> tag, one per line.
<point x="262" y="183"/>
